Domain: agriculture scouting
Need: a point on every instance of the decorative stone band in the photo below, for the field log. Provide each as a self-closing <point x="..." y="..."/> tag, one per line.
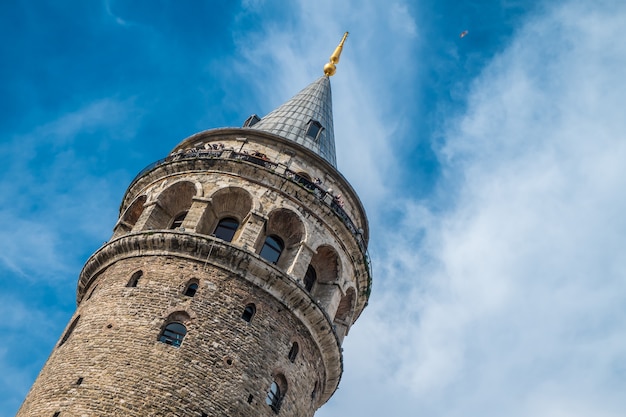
<point x="247" y="265"/>
<point x="284" y="182"/>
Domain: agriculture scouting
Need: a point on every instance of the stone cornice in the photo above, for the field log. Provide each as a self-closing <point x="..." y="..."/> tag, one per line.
<point x="244" y="264"/>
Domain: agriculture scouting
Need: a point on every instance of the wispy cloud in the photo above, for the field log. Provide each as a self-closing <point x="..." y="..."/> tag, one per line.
<point x="516" y="304"/>
<point x="282" y="64"/>
<point x="45" y="170"/>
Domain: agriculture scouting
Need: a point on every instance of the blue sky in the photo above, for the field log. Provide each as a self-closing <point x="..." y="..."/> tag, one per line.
<point x="492" y="169"/>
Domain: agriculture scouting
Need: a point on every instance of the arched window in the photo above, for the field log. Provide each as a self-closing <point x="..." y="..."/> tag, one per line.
<point x="276" y="393"/>
<point x="191" y="289"/>
<point x="309" y="278"/>
<point x="293" y="352"/>
<point x="69" y="331"/>
<point x="134" y="279"/>
<point x="173" y="334"/>
<point x="226" y="229"/>
<point x="178" y="220"/>
<point x="248" y="312"/>
<point x="272" y="248"/>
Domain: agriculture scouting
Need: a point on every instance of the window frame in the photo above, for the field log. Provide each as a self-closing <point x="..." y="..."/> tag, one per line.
<point x="310" y="126"/>
<point x="293" y="352"/>
<point x="268" y="247"/>
<point x="173" y="338"/>
<point x="227" y="227"/>
<point x="310" y="278"/>
<point x="178" y="220"/>
<point x="249" y="312"/>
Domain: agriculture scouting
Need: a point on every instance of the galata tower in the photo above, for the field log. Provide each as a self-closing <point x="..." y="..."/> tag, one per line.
<point x="237" y="266"/>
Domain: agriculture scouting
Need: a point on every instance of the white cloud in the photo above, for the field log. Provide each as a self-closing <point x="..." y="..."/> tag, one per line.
<point x="514" y="302"/>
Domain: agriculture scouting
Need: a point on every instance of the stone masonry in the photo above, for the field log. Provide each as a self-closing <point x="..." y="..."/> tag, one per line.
<point x="115" y="357"/>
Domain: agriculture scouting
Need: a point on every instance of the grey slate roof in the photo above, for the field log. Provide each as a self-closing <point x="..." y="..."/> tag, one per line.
<point x="291" y="120"/>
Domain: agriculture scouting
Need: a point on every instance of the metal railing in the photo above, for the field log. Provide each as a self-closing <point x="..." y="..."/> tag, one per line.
<point x="261" y="160"/>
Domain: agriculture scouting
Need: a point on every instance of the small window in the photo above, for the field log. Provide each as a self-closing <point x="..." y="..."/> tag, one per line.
<point x="309" y="278"/>
<point x="273" y="397"/>
<point x="173" y="334"/>
<point x="69" y="331"/>
<point x="226" y="229"/>
<point x="251" y="121"/>
<point x="248" y="312"/>
<point x="56" y="414"/>
<point x="272" y="248"/>
<point x="314" y="129"/>
<point x="293" y="352"/>
<point x="134" y="279"/>
<point x="191" y="289"/>
<point x="178" y="220"/>
<point x="276" y="393"/>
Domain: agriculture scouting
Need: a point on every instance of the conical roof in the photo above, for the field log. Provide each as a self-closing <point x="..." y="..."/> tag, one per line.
<point x="296" y="119"/>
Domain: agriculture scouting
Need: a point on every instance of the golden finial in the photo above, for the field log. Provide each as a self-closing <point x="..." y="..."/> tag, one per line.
<point x="331" y="68"/>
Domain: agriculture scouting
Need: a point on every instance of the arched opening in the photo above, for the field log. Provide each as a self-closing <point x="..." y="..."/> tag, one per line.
<point x="226" y="229"/>
<point x="178" y="220"/>
<point x="174" y="330"/>
<point x="172" y="206"/>
<point x="131" y="215"/>
<point x="293" y="352"/>
<point x="325" y="262"/>
<point x="173" y="334"/>
<point x="134" y="279"/>
<point x="289" y="229"/>
<point x="276" y="393"/>
<point x="191" y="288"/>
<point x="343" y="316"/>
<point x="232" y="203"/>
<point x="248" y="313"/>
<point x="309" y="278"/>
<point x="272" y="249"/>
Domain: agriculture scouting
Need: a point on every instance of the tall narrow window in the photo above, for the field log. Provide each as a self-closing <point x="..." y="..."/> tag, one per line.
<point x="134" y="279"/>
<point x="173" y="334"/>
<point x="226" y="229"/>
<point x="276" y="393"/>
<point x="309" y="278"/>
<point x="69" y="331"/>
<point x="248" y="312"/>
<point x="273" y="397"/>
<point x="178" y="220"/>
<point x="191" y="289"/>
<point x="272" y="248"/>
<point x="314" y="129"/>
<point x="293" y="352"/>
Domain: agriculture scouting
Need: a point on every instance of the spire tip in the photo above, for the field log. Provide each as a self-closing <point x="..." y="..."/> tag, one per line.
<point x="330" y="68"/>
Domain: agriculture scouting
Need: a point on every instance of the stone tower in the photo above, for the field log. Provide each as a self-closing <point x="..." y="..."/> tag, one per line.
<point x="236" y="268"/>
